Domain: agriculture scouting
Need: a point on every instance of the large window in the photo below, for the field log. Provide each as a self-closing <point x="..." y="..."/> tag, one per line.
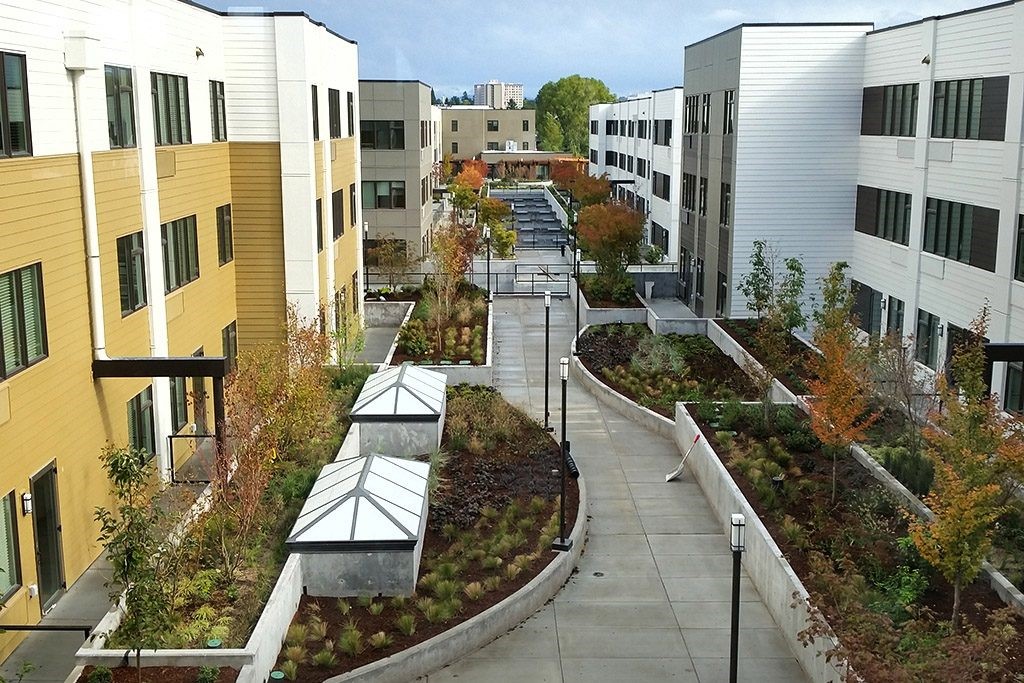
<point x="689" y="199"/>
<point x="351" y="114"/>
<point x="352" y="204"/>
<point x="141" y="434"/>
<point x="316" y="114"/>
<point x="702" y="198"/>
<point x="894" y="316"/>
<point x="225" y="241"/>
<point x="883" y="213"/>
<point x="593" y="127"/>
<point x="120" y="106"/>
<point x="972" y="108"/>
<point x="131" y="271"/>
<point x="867" y="306"/>
<point x="663" y="131"/>
<point x="181" y="252"/>
<point x="641" y="129"/>
<point x="218" y="112"/>
<point x="691" y="114"/>
<point x="382" y="134"/>
<point x="699" y="275"/>
<point x="492" y="125"/>
<point x="526" y="125"/>
<point x="337" y="213"/>
<point x="927" y="338"/>
<point x="179" y="404"/>
<point x="384" y="194"/>
<point x="593" y="156"/>
<point x="1018" y="265"/>
<point x="10" y="569"/>
<point x="319" y="208"/>
<point x="334" y="112"/>
<point x="611" y="158"/>
<point x="729" y="122"/>
<point x="889" y="110"/>
<point x="725" y="205"/>
<point x="229" y="343"/>
<point x="641" y="167"/>
<point x="455" y="125"/>
<point x="1014" y="403"/>
<point x="15" y="128"/>
<point x="722" y="296"/>
<point x="22" y="319"/>
<point x="171" y="121"/>
<point x="705" y="113"/>
<point x="962" y="232"/>
<point x="661" y="186"/>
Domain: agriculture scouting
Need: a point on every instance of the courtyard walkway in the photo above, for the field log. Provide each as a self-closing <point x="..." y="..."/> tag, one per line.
<point x="650" y="601"/>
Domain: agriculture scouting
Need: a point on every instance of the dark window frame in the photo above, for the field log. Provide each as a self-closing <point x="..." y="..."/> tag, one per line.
<point x="164" y="112"/>
<point x="337" y="214"/>
<point x="383" y="134"/>
<point x="334" y="113"/>
<point x="729" y="121"/>
<point x="316" y="113"/>
<point x="926" y="340"/>
<point x="140" y="411"/>
<point x="392" y="186"/>
<point x="6" y="143"/>
<point x="218" y="112"/>
<point x="179" y="403"/>
<point x="181" y="240"/>
<point x="20" y="314"/>
<point x="351" y="114"/>
<point x="229" y="343"/>
<point x="131" y="269"/>
<point x="120" y="135"/>
<point x="495" y="128"/>
<point x="13" y="572"/>
<point x="319" y="209"/>
<point x="225" y="237"/>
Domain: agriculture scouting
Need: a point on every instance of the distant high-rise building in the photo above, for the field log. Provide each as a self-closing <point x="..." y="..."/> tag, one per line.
<point x="498" y="94"/>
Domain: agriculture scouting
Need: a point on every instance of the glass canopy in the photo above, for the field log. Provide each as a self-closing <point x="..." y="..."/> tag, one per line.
<point x="404" y="394"/>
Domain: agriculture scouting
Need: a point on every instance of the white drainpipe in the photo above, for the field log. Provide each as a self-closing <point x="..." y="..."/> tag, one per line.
<point x="79" y="56"/>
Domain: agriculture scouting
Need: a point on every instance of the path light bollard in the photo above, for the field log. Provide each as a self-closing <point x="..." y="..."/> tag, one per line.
<point x="562" y="543"/>
<point x="738" y="528"/>
<point x="547" y="361"/>
<point x="487" y="238"/>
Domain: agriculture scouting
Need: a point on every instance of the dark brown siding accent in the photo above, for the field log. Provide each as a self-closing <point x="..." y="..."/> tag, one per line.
<point x="866" y="217"/>
<point x="994" y="92"/>
<point x="983" y="238"/>
<point x="871" y="111"/>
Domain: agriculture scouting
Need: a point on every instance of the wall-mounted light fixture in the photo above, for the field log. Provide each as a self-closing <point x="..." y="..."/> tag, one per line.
<point x="26" y="503"/>
<point x="927" y="59"/>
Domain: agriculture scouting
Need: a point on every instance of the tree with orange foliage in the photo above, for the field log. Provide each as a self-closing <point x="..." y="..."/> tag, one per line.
<point x="585" y="188"/>
<point x="842" y="389"/>
<point x="469" y="177"/>
<point x="611" y="233"/>
<point x="478" y="166"/>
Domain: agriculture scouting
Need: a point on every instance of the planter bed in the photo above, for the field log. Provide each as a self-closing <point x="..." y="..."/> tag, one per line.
<point x="799" y="353"/>
<point x="657" y="374"/>
<point x="495" y="507"/>
<point x="163" y="674"/>
<point x="868" y="584"/>
<point x="464" y="339"/>
<point x="594" y="302"/>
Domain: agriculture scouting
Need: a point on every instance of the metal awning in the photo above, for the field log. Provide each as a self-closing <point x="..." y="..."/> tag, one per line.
<point x="402" y="394"/>
<point x="368" y="503"/>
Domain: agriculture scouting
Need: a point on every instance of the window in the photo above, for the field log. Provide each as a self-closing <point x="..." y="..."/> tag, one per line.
<point x="663" y="132"/>
<point x="229" y="343"/>
<point x="455" y="148"/>
<point x="641" y="129"/>
<point x="15" y="127"/>
<point x="120" y="106"/>
<point x="492" y="125"/>
<point x="729" y="122"/>
<point x="610" y="158"/>
<point x="661" y="187"/>
<point x="593" y="156"/>
<point x="725" y="205"/>
<point x="351" y="115"/>
<point x="691" y="115"/>
<point x="889" y="110"/>
<point x="319" y="224"/>
<point x="962" y="232"/>
<point x="972" y="109"/>
<point x="337" y="213"/>
<point x="218" y="114"/>
<point x="894" y="316"/>
<point x="883" y="213"/>
<point x="384" y="194"/>
<point x="225" y="243"/>
<point x="355" y="291"/>
<point x="526" y="145"/>
<point x="689" y="191"/>
<point x="181" y="253"/>
<point x="659" y="235"/>
<point x="141" y="435"/>
<point x="10" y="570"/>
<point x="927" y="338"/>
<point x="22" y="319"/>
<point x="492" y="146"/>
<point x="1018" y="266"/>
<point x="171" y="122"/>
<point x="622" y="161"/>
<point x="424" y="190"/>
<point x="334" y="112"/>
<point x="131" y="270"/>
<point x="705" y="113"/>
<point x="455" y="125"/>
<point x="629" y="164"/>
<point x="867" y="306"/>
<point x="702" y="200"/>
<point x="611" y="127"/>
<point x="526" y="125"/>
<point x="179" y="404"/>
<point x="352" y="204"/>
<point x="424" y="134"/>
<point x="723" y="293"/>
<point x="699" y="275"/>
<point x="1014" y="403"/>
<point x="641" y="167"/>
<point x="593" y="128"/>
<point x="316" y="115"/>
<point x="382" y="134"/>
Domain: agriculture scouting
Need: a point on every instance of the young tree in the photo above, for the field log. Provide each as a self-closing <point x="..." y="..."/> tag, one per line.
<point x="900" y="385"/>
<point x="132" y="534"/>
<point x="443" y="170"/>
<point x="771" y="293"/>
<point x="611" y="233"/>
<point x="842" y="389"/>
<point x="392" y="259"/>
<point x="493" y="212"/>
<point x="469" y="177"/>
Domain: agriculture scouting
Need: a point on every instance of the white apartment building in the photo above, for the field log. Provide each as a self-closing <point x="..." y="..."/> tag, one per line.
<point x="497" y="94"/>
<point x="633" y="142"/>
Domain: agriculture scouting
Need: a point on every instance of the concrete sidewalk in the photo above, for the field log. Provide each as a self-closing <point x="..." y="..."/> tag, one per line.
<point x="651" y="599"/>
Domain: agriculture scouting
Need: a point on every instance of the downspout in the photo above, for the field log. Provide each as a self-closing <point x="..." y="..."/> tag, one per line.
<point x="76" y="52"/>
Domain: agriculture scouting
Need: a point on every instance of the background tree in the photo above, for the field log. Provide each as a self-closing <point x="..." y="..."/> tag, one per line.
<point x="842" y="389"/>
<point x="568" y="100"/>
<point x="611" y="233"/>
<point x="391" y="259"/>
<point x="512" y="104"/>
<point x="585" y="188"/>
<point x="549" y="133"/>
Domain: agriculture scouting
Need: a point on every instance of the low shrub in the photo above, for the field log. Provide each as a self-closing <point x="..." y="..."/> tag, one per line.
<point x="101" y="674"/>
<point x="413" y="339"/>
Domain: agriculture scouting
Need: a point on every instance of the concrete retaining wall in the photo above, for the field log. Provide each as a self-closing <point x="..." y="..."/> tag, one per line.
<point x="780" y="588"/>
<point x="385" y="313"/>
<point x="265" y="641"/>
<point x="664" y="282"/>
<point x="732" y="348"/>
<point x="457" y="374"/>
<point x="604" y="316"/>
<point x="676" y="325"/>
<point x="474" y="633"/>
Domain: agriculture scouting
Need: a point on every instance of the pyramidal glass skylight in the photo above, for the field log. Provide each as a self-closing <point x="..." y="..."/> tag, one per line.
<point x="366" y="503"/>
<point x="405" y="393"/>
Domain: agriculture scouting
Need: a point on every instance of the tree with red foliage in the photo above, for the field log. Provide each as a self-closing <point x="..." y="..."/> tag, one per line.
<point x="469" y="177"/>
<point x="479" y="166"/>
<point x="611" y="233"/>
<point x="585" y="188"/>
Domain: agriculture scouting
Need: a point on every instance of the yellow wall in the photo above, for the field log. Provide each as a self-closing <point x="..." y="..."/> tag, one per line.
<point x="259" y="241"/>
<point x="343" y="174"/>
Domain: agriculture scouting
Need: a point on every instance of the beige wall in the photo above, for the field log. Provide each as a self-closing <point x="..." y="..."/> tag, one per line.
<point x="472" y="136"/>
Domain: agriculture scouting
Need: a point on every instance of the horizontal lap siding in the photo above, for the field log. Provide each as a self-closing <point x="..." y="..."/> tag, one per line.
<point x="343" y="173"/>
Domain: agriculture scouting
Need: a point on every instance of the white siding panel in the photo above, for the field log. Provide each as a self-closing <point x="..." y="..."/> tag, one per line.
<point x="251" y="88"/>
<point x="974" y="176"/>
<point x="975" y="44"/>
<point x="895" y="56"/>
<point x="880" y="167"/>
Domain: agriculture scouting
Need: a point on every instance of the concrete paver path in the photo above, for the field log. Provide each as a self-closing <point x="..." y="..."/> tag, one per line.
<point x="651" y="600"/>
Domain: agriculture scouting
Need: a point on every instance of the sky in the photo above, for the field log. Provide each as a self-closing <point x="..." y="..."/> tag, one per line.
<point x="631" y="45"/>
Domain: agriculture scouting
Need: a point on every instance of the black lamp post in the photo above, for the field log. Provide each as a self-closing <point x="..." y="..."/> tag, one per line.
<point x="738" y="528"/>
<point x="562" y="543"/>
<point x="366" y="261"/>
<point x="579" y="257"/>
<point x="547" y="362"/>
<point x="487" y="238"/>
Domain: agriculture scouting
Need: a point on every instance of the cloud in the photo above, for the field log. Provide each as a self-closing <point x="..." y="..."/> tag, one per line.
<point x="728" y="15"/>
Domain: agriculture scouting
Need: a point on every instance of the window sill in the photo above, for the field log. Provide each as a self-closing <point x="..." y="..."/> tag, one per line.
<point x="229" y="261"/>
<point x="32" y="364"/>
<point x="173" y="144"/>
<point x="9" y="596"/>
<point x="180" y="287"/>
<point x="128" y="314"/>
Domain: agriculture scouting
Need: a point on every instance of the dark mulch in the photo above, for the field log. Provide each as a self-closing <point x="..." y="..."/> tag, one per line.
<point x="159" y="674"/>
<point x="594" y="302"/>
<point x="798" y="354"/>
<point x="978" y="600"/>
